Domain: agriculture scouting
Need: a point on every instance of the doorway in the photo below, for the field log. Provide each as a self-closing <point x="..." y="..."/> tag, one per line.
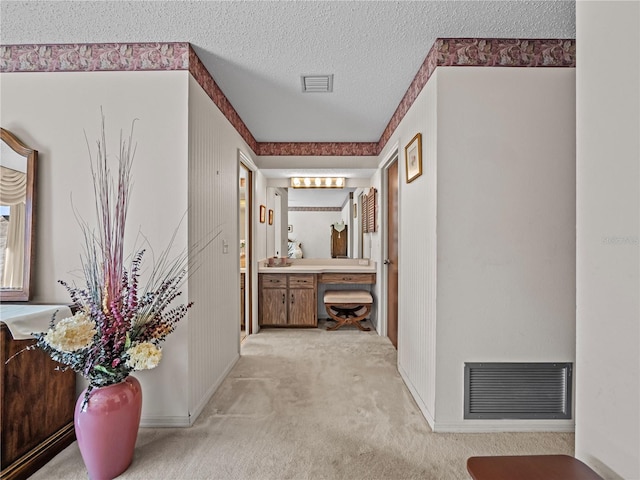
<point x="245" y="199"/>
<point x="391" y="260"/>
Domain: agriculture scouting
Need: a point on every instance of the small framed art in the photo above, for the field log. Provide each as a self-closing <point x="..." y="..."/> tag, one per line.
<point x="413" y="158"/>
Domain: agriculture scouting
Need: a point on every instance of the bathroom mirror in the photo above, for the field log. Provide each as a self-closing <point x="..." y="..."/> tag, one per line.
<point x="306" y="218"/>
<point x="17" y="219"/>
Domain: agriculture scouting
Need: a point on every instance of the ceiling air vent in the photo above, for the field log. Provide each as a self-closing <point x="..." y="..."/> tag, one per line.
<point x="317" y="83"/>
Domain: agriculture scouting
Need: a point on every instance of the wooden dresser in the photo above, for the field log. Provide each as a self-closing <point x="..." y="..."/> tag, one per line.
<point x="36" y="407"/>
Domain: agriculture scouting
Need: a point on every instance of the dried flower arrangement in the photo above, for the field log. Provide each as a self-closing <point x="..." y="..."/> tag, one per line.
<point x="120" y="324"/>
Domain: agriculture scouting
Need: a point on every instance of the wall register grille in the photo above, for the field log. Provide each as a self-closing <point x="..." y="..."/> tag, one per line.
<point x="517" y="390"/>
<point x="317" y="83"/>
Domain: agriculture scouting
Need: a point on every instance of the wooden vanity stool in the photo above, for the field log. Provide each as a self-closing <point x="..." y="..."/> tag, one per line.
<point x="348" y="307"/>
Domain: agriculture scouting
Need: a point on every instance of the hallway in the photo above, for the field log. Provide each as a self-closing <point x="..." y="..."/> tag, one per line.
<point x="311" y="404"/>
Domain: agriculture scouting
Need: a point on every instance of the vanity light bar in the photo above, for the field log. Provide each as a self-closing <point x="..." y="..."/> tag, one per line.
<point x="317" y="182"/>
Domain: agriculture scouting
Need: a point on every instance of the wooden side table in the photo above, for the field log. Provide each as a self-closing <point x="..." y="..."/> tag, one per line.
<point x="529" y="467"/>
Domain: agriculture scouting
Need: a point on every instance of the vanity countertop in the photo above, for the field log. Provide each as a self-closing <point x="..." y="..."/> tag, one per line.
<point x="312" y="265"/>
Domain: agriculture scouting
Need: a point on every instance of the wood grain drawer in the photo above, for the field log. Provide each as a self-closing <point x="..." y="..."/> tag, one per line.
<point x="348" y="278"/>
<point x="273" y="280"/>
<point x="302" y="281"/>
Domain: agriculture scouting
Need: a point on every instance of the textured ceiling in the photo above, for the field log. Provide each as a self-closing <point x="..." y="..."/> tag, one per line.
<point x="256" y="51"/>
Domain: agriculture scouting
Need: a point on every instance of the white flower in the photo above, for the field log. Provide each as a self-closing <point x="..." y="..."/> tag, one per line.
<point x="71" y="334"/>
<point x="144" y="356"/>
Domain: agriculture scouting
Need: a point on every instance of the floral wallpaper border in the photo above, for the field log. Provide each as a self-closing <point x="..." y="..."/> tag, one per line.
<point x="359" y="149"/>
<point x="123" y="57"/>
<point x="208" y="84"/>
<point x="481" y="52"/>
<point x="478" y="52"/>
<point x="94" y="57"/>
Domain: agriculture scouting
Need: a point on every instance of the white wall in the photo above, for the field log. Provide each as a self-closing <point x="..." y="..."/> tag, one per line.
<point x="259" y="238"/>
<point x="347" y="217"/>
<point x="214" y="343"/>
<point x="277" y="199"/>
<point x="50" y="112"/>
<point x="313" y="229"/>
<point x="505" y="226"/>
<point x="417" y="251"/>
<point x="357" y="222"/>
<point x="186" y="160"/>
<point x="487" y="233"/>
<point x="260" y="198"/>
<point x="282" y="221"/>
<point x="608" y="210"/>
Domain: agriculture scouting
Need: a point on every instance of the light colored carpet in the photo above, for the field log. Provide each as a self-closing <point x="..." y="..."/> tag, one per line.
<point x="311" y="404"/>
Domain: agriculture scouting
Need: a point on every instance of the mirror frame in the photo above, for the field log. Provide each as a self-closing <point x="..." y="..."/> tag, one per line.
<point x="31" y="155"/>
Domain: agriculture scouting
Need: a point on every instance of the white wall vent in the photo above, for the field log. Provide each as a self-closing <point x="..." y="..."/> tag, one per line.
<point x="517" y="390"/>
<point x="317" y="83"/>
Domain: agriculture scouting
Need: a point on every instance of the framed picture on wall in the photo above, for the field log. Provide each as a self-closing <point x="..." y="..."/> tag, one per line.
<point x="270" y="217"/>
<point x="413" y="158"/>
<point x="263" y="213"/>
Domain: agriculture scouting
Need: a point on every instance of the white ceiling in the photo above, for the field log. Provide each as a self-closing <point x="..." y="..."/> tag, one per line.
<point x="257" y="50"/>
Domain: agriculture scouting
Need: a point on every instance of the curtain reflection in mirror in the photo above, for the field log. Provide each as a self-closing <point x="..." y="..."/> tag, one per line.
<point x="13" y="189"/>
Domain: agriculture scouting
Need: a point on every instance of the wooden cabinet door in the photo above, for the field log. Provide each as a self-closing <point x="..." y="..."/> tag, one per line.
<point x="273" y="306"/>
<point x="302" y="307"/>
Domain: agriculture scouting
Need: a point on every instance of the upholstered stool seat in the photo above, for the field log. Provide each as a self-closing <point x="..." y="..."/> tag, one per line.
<point x="348" y="307"/>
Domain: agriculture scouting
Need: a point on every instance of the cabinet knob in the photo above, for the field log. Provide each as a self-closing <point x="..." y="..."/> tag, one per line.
<point x="283" y="298"/>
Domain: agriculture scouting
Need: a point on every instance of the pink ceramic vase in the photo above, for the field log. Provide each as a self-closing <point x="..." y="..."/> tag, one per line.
<point x="108" y="427"/>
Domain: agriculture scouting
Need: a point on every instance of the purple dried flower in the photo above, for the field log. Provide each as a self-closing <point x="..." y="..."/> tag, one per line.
<point x="125" y="312"/>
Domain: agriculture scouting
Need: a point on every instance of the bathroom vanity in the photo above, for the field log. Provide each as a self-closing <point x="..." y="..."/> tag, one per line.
<point x="288" y="295"/>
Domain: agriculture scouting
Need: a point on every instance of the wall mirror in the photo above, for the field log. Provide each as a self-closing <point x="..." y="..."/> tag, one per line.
<point x="306" y="218"/>
<point x="17" y="219"/>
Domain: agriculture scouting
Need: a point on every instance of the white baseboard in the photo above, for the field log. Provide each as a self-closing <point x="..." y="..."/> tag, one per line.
<point x="496" y="426"/>
<point x="188" y="420"/>
<point x="416" y="397"/>
<point x="164" y="422"/>
<point x="195" y="413"/>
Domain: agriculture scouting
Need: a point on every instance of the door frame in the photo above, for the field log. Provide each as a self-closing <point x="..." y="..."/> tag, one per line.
<point x="394" y="154"/>
<point x="250" y="261"/>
